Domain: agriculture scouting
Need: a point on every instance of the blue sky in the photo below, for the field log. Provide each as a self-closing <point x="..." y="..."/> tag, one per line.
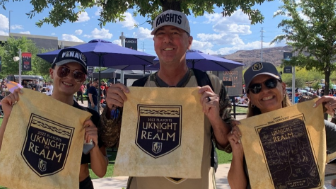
<point x="213" y="33"/>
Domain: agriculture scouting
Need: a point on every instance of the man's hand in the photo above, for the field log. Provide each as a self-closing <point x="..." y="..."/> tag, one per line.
<point x="115" y="95"/>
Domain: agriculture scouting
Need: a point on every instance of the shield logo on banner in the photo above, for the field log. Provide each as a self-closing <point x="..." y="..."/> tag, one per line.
<point x="42" y="165"/>
<point x="159" y="129"/>
<point x="157" y="147"/>
<point x="46" y="145"/>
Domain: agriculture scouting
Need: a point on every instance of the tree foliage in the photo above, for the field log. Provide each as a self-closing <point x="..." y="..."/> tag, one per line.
<point x="310" y="30"/>
<point x="112" y="10"/>
<point x="11" y="49"/>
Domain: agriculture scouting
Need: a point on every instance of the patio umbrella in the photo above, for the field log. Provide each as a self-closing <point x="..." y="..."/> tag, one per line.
<point x="199" y="60"/>
<point x="103" y="53"/>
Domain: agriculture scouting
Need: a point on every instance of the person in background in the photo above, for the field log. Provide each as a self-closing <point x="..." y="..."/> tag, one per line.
<point x="93" y="95"/>
<point x="68" y="73"/>
<point x="49" y="88"/>
<point x="80" y="93"/>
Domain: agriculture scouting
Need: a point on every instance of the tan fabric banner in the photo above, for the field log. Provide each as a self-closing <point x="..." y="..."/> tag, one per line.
<point x="43" y="144"/>
<point x="286" y="148"/>
<point x="161" y="134"/>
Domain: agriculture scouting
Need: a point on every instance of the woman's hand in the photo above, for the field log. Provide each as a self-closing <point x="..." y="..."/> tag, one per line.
<point x="329" y="103"/>
<point x="91" y="132"/>
<point x="234" y="138"/>
<point x="9" y="101"/>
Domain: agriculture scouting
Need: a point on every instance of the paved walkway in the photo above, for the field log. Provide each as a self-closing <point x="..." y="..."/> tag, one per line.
<point x="120" y="182"/>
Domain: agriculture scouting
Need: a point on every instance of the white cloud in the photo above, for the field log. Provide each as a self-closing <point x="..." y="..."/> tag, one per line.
<point x="14" y="27"/>
<point x="129" y="21"/>
<point x="198" y="45"/>
<point x="69" y="37"/>
<point x="232" y="28"/>
<point x="25" y="32"/>
<point x="237" y="23"/>
<point x="99" y="9"/>
<point x="78" y="32"/>
<point x="53" y="33"/>
<point x="3" y="22"/>
<point x="248" y="46"/>
<point x="83" y="17"/>
<point x="221" y="38"/>
<point x="117" y="42"/>
<point x="143" y="33"/>
<point x="3" y="33"/>
<point x="100" y="34"/>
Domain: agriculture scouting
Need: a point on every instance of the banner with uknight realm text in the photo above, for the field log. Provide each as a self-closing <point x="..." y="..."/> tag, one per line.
<point x="42" y="144"/>
<point x="161" y="134"/>
<point x="285" y="148"/>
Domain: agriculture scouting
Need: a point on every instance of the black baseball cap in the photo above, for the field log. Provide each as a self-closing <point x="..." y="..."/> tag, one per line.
<point x="260" y="68"/>
<point x="70" y="55"/>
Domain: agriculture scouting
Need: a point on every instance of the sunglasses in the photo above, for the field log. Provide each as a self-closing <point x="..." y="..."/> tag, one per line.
<point x="255" y="88"/>
<point x="78" y="75"/>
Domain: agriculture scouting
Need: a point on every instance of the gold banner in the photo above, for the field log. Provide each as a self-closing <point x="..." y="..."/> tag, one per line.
<point x="161" y="134"/>
<point x="286" y="148"/>
<point x="43" y="143"/>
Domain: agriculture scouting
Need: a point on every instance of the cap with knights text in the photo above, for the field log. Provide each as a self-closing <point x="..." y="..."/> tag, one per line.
<point x="171" y="18"/>
<point x="70" y="55"/>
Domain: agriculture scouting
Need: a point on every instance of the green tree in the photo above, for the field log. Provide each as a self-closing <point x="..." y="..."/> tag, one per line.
<point x="112" y="10"/>
<point x="312" y="35"/>
<point x="11" y="49"/>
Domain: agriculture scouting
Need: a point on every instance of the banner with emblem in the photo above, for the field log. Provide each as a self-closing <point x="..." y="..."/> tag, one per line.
<point x="161" y="134"/>
<point x="42" y="145"/>
<point x="26" y="61"/>
<point x="286" y="148"/>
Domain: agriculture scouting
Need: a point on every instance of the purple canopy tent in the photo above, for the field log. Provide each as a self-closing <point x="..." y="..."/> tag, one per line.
<point x="103" y="53"/>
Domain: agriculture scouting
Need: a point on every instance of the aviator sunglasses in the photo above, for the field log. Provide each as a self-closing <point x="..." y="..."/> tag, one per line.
<point x="78" y="75"/>
<point x="271" y="83"/>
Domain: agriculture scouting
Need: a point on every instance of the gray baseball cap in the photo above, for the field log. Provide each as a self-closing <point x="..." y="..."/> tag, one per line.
<point x="171" y="18"/>
<point x="260" y="68"/>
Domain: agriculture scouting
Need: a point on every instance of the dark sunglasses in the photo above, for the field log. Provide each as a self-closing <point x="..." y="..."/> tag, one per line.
<point x="78" y="75"/>
<point x="255" y="88"/>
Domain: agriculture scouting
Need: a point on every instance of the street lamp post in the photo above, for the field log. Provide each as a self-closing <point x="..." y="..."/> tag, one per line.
<point x="9" y="20"/>
<point x="19" y="59"/>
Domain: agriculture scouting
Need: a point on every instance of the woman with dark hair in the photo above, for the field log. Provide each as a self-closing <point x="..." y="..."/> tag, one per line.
<point x="266" y="93"/>
<point x="68" y="73"/>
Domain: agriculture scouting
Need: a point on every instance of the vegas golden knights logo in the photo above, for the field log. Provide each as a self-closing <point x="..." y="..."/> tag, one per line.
<point x="46" y="146"/>
<point x="159" y="129"/>
<point x="257" y="66"/>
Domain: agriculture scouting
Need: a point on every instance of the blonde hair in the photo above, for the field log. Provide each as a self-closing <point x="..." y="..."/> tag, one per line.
<point x="252" y="111"/>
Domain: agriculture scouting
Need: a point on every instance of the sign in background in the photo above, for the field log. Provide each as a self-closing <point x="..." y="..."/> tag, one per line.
<point x="26" y="61"/>
<point x="287" y="55"/>
<point x="288" y="69"/>
<point x="90" y="71"/>
<point x="131" y="43"/>
<point x="233" y="81"/>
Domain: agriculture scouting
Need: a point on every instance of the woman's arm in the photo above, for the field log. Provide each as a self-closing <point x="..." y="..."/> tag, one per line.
<point x="7" y="104"/>
<point x="98" y="156"/>
<point x="236" y="175"/>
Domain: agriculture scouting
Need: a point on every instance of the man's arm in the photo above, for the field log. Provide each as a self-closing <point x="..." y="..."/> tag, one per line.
<point x="91" y="100"/>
